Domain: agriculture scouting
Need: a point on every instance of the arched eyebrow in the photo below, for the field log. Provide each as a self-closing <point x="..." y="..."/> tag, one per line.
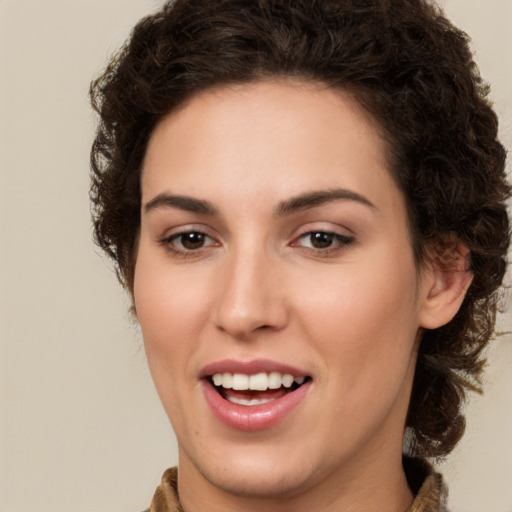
<point x="319" y="197"/>
<point x="189" y="204"/>
<point x="301" y="202"/>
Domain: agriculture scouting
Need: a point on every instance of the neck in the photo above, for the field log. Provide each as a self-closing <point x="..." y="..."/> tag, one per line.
<point x="370" y="484"/>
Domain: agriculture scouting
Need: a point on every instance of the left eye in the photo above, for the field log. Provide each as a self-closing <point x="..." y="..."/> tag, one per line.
<point x="322" y="240"/>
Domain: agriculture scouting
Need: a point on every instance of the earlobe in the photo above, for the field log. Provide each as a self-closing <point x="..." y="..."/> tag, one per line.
<point x="445" y="281"/>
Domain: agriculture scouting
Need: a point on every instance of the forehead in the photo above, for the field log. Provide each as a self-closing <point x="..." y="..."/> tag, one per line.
<point x="277" y="138"/>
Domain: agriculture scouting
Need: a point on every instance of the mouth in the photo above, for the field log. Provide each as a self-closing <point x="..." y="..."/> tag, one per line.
<point x="251" y="390"/>
<point x="254" y="395"/>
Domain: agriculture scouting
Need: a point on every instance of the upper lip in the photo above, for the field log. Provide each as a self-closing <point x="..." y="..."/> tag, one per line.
<point x="250" y="368"/>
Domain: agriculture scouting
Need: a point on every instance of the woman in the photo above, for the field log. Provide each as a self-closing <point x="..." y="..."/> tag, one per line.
<point x="305" y="200"/>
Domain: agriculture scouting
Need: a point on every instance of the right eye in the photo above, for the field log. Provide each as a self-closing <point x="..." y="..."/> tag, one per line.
<point x="187" y="242"/>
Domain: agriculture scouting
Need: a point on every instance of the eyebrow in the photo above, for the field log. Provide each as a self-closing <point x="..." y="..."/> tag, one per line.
<point x="295" y="204"/>
<point x="189" y="204"/>
<point x="317" y="198"/>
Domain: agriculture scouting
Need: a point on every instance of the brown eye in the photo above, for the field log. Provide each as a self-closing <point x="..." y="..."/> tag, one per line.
<point x="188" y="242"/>
<point x="321" y="240"/>
<point x="324" y="242"/>
<point x="191" y="241"/>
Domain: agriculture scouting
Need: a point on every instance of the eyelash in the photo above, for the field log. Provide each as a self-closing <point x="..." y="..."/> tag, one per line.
<point x="336" y="241"/>
<point x="169" y="243"/>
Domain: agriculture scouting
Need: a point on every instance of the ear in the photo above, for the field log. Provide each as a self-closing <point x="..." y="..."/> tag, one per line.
<point x="445" y="281"/>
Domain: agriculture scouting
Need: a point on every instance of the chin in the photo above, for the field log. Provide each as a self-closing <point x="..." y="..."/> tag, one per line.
<point x="260" y="483"/>
<point x="253" y="476"/>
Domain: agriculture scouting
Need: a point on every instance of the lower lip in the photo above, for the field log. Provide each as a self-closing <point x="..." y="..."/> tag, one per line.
<point x="255" y="417"/>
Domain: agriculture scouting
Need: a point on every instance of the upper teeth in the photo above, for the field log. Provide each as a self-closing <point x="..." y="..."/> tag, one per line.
<point x="258" y="382"/>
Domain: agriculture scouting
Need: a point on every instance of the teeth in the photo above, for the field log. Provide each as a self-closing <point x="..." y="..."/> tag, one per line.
<point x="274" y="380"/>
<point x="245" y="401"/>
<point x="258" y="382"/>
<point x="227" y="380"/>
<point x="287" y="380"/>
<point x="240" y="381"/>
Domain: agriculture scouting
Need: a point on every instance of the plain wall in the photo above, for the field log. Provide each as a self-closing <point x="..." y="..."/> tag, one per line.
<point x="81" y="428"/>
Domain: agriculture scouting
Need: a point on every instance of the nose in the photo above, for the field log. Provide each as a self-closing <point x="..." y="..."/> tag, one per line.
<point x="251" y="298"/>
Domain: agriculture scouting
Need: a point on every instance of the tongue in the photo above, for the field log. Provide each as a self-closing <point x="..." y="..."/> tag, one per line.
<point x="269" y="394"/>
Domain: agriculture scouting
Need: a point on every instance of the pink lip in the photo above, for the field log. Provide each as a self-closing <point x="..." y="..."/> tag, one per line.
<point x="256" y="417"/>
<point x="250" y="367"/>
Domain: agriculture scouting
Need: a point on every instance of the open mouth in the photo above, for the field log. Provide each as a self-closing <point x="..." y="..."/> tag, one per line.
<point x="257" y="389"/>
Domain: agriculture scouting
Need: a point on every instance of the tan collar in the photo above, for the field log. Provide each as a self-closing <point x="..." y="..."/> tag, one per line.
<point x="427" y="486"/>
<point x="166" y="494"/>
<point x="431" y="497"/>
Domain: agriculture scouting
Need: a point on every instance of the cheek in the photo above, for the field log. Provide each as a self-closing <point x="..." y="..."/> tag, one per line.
<point x="365" y="321"/>
<point x="171" y="311"/>
<point x="165" y="297"/>
<point x="168" y="311"/>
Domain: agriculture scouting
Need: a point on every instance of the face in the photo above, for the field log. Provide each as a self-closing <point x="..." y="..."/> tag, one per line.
<point x="276" y="289"/>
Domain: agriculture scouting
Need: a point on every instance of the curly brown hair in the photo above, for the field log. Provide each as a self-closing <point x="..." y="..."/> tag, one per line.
<point x="409" y="67"/>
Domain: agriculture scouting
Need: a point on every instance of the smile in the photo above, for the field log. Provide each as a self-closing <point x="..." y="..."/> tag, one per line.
<point x="253" y="396"/>
<point x="258" y="389"/>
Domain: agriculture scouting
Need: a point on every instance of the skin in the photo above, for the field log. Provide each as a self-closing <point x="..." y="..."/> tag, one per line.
<point x="349" y="314"/>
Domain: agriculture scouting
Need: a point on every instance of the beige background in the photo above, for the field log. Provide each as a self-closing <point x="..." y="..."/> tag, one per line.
<point x="81" y="428"/>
